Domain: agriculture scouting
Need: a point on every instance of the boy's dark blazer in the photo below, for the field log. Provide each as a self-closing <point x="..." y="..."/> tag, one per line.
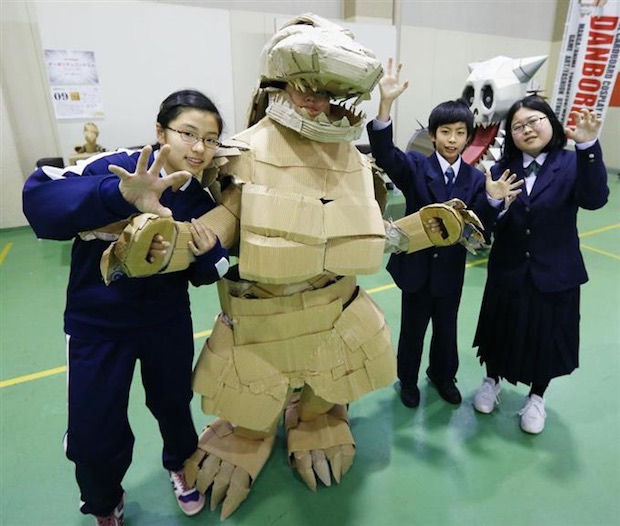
<point x="538" y="234"/>
<point x="422" y="182"/>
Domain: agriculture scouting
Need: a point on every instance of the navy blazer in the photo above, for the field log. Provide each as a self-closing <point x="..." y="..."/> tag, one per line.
<point x="537" y="237"/>
<point x="422" y="182"/>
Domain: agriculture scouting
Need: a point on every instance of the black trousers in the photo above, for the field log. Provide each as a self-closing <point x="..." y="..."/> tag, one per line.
<point x="417" y="310"/>
<point x="99" y="438"/>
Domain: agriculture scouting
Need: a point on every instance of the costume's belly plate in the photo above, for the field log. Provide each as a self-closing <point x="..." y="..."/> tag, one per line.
<point x="308" y="208"/>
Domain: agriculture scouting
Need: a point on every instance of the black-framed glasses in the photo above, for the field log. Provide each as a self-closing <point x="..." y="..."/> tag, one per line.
<point x="532" y="123"/>
<point x="192" y="138"/>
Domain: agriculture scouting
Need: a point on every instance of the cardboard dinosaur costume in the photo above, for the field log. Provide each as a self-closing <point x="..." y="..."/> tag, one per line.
<point x="296" y="335"/>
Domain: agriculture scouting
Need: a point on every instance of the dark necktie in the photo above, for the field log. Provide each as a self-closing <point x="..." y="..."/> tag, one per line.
<point x="532" y="169"/>
<point x="450" y="176"/>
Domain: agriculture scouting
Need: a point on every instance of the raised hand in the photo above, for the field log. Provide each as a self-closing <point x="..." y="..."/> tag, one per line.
<point x="390" y="89"/>
<point x="586" y="128"/>
<point x="390" y="85"/>
<point x="144" y="187"/>
<point x="505" y="188"/>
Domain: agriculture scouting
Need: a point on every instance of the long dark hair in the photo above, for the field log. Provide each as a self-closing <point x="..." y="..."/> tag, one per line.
<point x="176" y="102"/>
<point x="533" y="102"/>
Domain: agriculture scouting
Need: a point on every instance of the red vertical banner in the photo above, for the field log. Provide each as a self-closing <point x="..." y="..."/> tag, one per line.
<point x="589" y="59"/>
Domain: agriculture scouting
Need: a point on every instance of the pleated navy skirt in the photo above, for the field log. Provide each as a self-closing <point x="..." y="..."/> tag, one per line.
<point x="528" y="336"/>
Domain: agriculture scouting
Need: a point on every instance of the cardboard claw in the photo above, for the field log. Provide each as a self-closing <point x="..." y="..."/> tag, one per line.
<point x="221" y="483"/>
<point x="334" y="456"/>
<point x="302" y="461"/>
<point x="238" y="491"/>
<point x="207" y="473"/>
<point x="321" y="467"/>
<point x="348" y="453"/>
<point x="192" y="466"/>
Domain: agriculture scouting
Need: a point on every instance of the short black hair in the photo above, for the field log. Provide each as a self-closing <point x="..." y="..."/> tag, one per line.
<point x="450" y="112"/>
<point x="532" y="102"/>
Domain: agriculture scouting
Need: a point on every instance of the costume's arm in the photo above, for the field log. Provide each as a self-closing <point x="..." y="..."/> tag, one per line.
<point x="224" y="219"/>
<point x="440" y="225"/>
<point x="60" y="203"/>
<point x="130" y="254"/>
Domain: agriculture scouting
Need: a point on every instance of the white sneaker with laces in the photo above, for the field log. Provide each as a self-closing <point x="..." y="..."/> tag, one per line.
<point x="487" y="396"/>
<point x="533" y="415"/>
<point x="188" y="498"/>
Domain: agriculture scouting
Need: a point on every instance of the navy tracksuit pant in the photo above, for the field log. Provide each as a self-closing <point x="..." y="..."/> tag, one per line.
<point x="99" y="438"/>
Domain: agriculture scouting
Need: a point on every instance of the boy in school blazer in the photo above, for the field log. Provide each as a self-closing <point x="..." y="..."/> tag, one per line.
<point x="431" y="280"/>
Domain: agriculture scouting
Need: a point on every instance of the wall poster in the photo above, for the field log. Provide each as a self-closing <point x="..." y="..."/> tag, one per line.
<point x="74" y="84"/>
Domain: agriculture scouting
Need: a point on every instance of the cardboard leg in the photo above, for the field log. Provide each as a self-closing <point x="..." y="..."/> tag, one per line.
<point x="228" y="461"/>
<point x="319" y="444"/>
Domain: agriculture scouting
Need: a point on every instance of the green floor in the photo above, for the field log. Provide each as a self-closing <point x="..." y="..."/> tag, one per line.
<point x="437" y="465"/>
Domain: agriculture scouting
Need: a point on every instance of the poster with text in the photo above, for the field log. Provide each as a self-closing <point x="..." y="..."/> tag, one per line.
<point x="588" y="63"/>
<point x="74" y="84"/>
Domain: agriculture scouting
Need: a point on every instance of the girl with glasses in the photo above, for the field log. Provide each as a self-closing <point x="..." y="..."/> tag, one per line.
<point x="528" y="327"/>
<point x="110" y="327"/>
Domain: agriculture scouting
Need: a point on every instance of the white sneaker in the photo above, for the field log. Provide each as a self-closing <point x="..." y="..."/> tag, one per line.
<point x="487" y="396"/>
<point x="533" y="415"/>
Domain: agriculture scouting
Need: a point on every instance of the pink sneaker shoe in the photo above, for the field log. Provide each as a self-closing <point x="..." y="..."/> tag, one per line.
<point x="116" y="518"/>
<point x="188" y="498"/>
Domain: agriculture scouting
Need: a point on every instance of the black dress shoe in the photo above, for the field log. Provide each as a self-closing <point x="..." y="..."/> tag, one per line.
<point x="446" y="389"/>
<point x="410" y="396"/>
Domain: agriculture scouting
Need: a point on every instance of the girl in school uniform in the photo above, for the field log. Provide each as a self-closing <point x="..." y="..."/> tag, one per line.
<point x="109" y="328"/>
<point x="528" y="327"/>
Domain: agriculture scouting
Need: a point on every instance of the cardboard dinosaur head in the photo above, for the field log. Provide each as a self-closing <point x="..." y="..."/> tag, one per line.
<point x="312" y="53"/>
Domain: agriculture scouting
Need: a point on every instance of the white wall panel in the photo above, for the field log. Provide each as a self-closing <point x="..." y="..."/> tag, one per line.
<point x="144" y="51"/>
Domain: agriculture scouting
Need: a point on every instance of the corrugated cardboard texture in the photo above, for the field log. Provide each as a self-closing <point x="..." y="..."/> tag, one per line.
<point x="223" y="224"/>
<point x="306" y="207"/>
<point x="352" y="256"/>
<point x="181" y="256"/>
<point x="340" y="359"/>
<point x="412" y="227"/>
<point x="452" y="228"/>
<point x="353" y="216"/>
<point x="133" y="246"/>
<point x="277" y="260"/>
<point x="220" y="439"/>
<point x="326" y="431"/>
<point x="274" y="213"/>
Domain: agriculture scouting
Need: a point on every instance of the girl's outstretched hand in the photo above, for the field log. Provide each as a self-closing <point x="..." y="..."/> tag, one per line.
<point x="586" y="128"/>
<point x="144" y="187"/>
<point x="505" y="188"/>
